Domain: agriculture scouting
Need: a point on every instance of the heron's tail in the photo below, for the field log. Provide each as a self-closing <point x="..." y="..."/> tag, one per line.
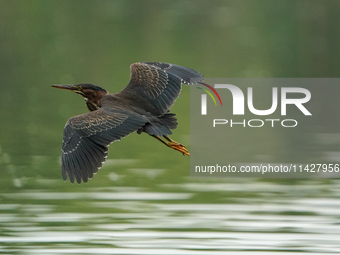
<point x="161" y="125"/>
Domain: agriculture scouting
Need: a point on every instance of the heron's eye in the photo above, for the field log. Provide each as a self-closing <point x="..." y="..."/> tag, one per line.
<point x="78" y="87"/>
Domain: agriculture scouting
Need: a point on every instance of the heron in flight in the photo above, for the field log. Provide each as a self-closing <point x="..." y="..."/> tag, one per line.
<point x="142" y="106"/>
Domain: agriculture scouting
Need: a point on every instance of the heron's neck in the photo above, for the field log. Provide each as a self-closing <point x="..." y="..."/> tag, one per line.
<point x="93" y="102"/>
<point x="91" y="105"/>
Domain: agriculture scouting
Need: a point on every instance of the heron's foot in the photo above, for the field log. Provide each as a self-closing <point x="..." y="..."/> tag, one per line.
<point x="172" y="144"/>
<point x="178" y="147"/>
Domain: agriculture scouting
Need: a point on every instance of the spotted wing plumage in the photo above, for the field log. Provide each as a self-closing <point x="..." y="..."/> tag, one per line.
<point x="158" y="84"/>
<point x="187" y="75"/>
<point x="87" y="136"/>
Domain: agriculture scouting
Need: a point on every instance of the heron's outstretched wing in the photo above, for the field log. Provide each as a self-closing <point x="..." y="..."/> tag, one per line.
<point x="87" y="136"/>
<point x="158" y="84"/>
<point x="188" y="76"/>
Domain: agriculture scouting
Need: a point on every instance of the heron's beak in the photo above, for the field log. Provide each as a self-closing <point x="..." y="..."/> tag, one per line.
<point x="67" y="87"/>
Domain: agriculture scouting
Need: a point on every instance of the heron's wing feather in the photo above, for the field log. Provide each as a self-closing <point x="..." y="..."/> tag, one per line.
<point x="87" y="136"/>
<point x="157" y="85"/>
<point x="187" y="75"/>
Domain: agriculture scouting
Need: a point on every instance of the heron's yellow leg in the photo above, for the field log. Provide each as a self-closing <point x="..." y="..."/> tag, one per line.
<point x="173" y="144"/>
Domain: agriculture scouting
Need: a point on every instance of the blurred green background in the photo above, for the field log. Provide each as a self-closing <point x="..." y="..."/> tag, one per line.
<point x="68" y="42"/>
<point x="83" y="41"/>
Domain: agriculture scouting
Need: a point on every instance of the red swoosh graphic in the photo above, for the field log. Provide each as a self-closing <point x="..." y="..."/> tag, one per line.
<point x="213" y="90"/>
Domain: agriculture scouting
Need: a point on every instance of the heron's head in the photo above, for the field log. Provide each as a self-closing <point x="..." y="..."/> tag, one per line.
<point x="90" y="92"/>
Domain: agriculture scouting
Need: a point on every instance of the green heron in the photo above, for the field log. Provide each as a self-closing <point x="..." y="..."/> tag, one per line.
<point x="142" y="106"/>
